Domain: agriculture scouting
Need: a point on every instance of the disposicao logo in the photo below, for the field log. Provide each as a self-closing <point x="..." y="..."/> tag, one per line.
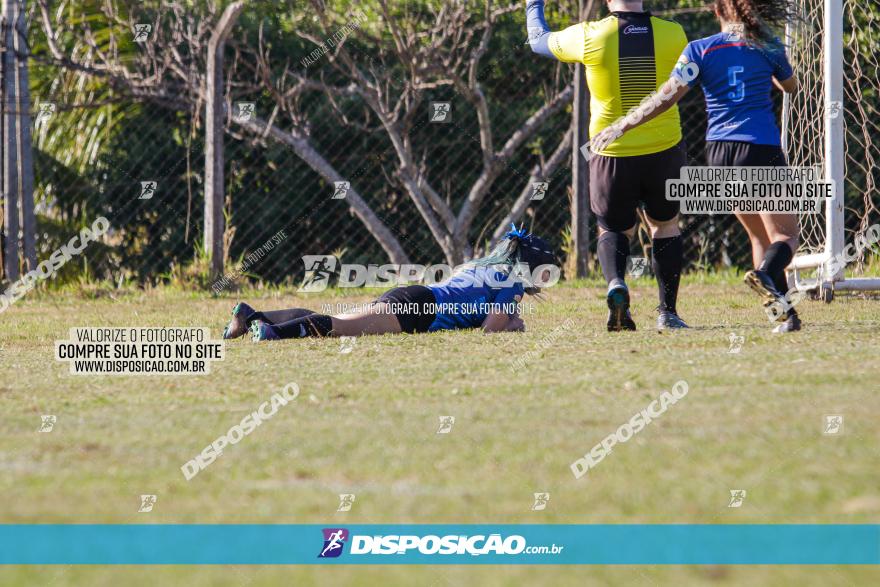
<point x="334" y="540"/>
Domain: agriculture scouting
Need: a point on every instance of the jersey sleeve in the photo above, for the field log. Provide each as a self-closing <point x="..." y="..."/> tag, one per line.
<point x="505" y="300"/>
<point x="782" y="69"/>
<point x="689" y="65"/>
<point x="568" y="45"/>
<point x="539" y="31"/>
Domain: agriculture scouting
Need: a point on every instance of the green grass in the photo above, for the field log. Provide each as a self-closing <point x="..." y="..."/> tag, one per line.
<point x="365" y="423"/>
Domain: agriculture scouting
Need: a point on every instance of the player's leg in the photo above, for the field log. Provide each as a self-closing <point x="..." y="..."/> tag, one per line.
<point x="667" y="247"/>
<point x="402" y="309"/>
<point x="278" y="316"/>
<point x="740" y="154"/>
<point x="758" y="238"/>
<point x="243" y="315"/>
<point x="777" y="251"/>
<point x="782" y="230"/>
<point x="780" y="237"/>
<point x="376" y="319"/>
<point x="667" y="259"/>
<point x="612" y="200"/>
<point x="768" y="279"/>
<point x="612" y="250"/>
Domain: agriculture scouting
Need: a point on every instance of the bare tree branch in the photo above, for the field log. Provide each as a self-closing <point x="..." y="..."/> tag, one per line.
<point x="484" y="182"/>
<point x="538" y="173"/>
<point x="305" y="151"/>
<point x="381" y="89"/>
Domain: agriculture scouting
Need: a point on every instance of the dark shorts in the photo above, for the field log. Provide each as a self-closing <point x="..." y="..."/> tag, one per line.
<point x="619" y="184"/>
<point x="413" y="306"/>
<point x="738" y="154"/>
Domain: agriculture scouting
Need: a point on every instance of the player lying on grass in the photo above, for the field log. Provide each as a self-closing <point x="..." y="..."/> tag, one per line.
<point x="484" y="293"/>
<point x="737" y="69"/>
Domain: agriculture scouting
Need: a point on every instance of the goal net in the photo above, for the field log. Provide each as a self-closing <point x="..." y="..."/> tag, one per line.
<point x="833" y="121"/>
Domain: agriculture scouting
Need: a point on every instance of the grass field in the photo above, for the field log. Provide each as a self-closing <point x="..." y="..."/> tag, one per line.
<point x="366" y="421"/>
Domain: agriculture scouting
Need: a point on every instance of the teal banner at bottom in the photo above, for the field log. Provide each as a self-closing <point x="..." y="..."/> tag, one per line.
<point x="493" y="544"/>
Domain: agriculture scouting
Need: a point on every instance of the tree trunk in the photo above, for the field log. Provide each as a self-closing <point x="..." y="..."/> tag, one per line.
<point x="25" y="152"/>
<point x="214" y="125"/>
<point x="580" y="170"/>
<point x="10" y="145"/>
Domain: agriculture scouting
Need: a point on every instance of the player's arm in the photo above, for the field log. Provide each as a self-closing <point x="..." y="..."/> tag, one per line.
<point x="499" y="320"/>
<point x="783" y="72"/>
<point x="516" y="324"/>
<point x="789" y="86"/>
<point x="503" y="322"/>
<point x="665" y="98"/>
<point x="496" y="321"/>
<point x="566" y="46"/>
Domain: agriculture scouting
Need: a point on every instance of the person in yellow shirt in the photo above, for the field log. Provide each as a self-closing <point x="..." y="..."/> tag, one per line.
<point x="628" y="56"/>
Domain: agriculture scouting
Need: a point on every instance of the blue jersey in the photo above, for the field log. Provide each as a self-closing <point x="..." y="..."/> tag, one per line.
<point x="736" y="78"/>
<point x="465" y="299"/>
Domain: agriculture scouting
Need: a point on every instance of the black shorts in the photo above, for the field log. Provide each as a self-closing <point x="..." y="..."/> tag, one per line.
<point x="739" y="154"/>
<point x="414" y="306"/>
<point x="619" y="184"/>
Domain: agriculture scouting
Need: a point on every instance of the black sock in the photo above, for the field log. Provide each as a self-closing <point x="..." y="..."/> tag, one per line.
<point x="312" y="325"/>
<point x="780" y="282"/>
<point x="666" y="263"/>
<point x="279" y="316"/>
<point x="613" y="249"/>
<point x="776" y="259"/>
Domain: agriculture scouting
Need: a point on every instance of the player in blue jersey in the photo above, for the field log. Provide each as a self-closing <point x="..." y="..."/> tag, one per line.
<point x="485" y="293"/>
<point x="737" y="70"/>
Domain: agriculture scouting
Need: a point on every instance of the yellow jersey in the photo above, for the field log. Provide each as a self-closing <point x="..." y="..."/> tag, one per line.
<point x="627" y="56"/>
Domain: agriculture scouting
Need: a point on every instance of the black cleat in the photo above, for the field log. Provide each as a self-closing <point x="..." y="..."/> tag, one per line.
<point x="238" y="326"/>
<point x="618" y="310"/>
<point x="775" y="302"/>
<point x="669" y="321"/>
<point x="792" y="323"/>
<point x="763" y="285"/>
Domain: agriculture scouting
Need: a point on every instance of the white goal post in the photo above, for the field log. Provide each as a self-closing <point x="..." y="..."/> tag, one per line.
<point x="833" y="122"/>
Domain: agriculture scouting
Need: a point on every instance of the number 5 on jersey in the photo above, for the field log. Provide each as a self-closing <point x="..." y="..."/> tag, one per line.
<point x="739" y="92"/>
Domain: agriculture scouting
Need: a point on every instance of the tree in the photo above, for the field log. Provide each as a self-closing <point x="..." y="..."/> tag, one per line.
<point x="403" y="53"/>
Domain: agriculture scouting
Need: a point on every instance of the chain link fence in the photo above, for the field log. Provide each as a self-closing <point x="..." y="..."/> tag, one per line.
<point x="138" y="158"/>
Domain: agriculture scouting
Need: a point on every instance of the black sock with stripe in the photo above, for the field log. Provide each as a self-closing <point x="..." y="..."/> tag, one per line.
<point x="312" y="325"/>
<point x="279" y="316"/>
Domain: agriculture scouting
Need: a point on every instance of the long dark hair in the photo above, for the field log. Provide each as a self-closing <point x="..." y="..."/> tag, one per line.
<point x="759" y="17"/>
